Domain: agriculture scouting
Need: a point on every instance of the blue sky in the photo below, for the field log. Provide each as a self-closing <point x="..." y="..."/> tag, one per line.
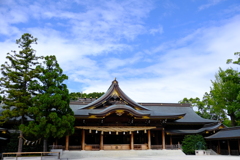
<point x="159" y="51"/>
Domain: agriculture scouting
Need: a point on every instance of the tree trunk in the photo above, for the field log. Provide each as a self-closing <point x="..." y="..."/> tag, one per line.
<point x="233" y="120"/>
<point x="20" y="142"/>
<point x="45" y="145"/>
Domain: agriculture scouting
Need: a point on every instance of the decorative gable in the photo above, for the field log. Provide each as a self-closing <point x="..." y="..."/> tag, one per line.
<point x="114" y="96"/>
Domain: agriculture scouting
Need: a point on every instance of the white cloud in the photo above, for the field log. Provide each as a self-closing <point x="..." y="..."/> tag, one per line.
<point x="113" y="63"/>
<point x="159" y="30"/>
<point x="209" y="4"/>
<point x="186" y="68"/>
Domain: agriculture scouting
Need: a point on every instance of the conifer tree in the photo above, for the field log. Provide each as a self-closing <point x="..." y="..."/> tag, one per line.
<point x="51" y="112"/>
<point x="17" y="75"/>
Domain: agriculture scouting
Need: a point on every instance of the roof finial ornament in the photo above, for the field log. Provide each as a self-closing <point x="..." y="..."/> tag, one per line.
<point x="115" y="80"/>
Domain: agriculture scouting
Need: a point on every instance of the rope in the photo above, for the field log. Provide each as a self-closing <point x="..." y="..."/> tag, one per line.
<point x="28" y="142"/>
<point x="115" y="129"/>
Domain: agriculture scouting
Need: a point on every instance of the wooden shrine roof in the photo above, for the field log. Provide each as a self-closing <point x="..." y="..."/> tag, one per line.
<point x="116" y="99"/>
<point x="114" y="94"/>
<point x="226" y="133"/>
<point x="205" y="128"/>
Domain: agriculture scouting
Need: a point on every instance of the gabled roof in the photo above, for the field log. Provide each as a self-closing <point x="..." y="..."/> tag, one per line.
<point x="114" y="92"/>
<point x="115" y="99"/>
<point x="226" y="133"/>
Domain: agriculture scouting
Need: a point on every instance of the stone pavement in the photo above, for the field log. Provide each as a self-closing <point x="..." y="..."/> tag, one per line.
<point x="128" y="155"/>
<point x="169" y="158"/>
<point x="139" y="155"/>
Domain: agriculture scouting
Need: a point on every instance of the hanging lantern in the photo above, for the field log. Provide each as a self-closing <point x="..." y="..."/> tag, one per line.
<point x="145" y="131"/>
<point x="117" y="133"/>
<point x="137" y="131"/>
<point x="109" y="132"/>
<point x="96" y="131"/>
<point x="90" y="131"/>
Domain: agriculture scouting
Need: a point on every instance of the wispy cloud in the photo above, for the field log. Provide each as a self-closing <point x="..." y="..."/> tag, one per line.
<point x="185" y="69"/>
<point x="158" y="30"/>
<point x="210" y="4"/>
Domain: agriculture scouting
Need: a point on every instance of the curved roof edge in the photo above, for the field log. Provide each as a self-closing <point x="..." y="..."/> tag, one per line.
<point x="119" y="107"/>
<point x="114" y="90"/>
<point x="208" y="127"/>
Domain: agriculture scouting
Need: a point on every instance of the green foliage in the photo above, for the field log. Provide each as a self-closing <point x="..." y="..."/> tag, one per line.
<point x="18" y="73"/>
<point x="236" y="61"/>
<point x="51" y="112"/>
<point x="223" y="99"/>
<point x="204" y="109"/>
<point x="1" y="99"/>
<point x="191" y="143"/>
<point x="224" y="94"/>
<point x="77" y="95"/>
<point x="227" y="122"/>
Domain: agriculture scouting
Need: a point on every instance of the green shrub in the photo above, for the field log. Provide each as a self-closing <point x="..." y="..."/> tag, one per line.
<point x="191" y="143"/>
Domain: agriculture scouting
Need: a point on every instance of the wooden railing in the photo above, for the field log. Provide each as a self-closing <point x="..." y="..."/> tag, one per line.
<point x="235" y="152"/>
<point x="156" y="146"/>
<point x="37" y="154"/>
<point x="173" y="146"/>
<point x="140" y="146"/>
<point x="92" y="147"/>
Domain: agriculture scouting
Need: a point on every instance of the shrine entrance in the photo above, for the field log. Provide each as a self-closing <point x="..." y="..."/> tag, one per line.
<point x="116" y="139"/>
<point x="112" y="138"/>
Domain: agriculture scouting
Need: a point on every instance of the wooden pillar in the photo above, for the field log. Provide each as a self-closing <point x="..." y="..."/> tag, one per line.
<point x="101" y="141"/>
<point x="171" y="142"/>
<point x="219" y="147"/>
<point x="163" y="139"/>
<point x="132" y="142"/>
<point x="83" y="139"/>
<point x="149" y="139"/>
<point x="239" y="146"/>
<point x="67" y="143"/>
<point x="229" y="149"/>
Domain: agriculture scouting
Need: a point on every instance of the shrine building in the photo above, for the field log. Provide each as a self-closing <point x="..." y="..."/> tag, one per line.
<point x="116" y="122"/>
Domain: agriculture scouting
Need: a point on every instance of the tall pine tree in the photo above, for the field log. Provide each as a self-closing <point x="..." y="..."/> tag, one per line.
<point x="17" y="75"/>
<point x="52" y="115"/>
